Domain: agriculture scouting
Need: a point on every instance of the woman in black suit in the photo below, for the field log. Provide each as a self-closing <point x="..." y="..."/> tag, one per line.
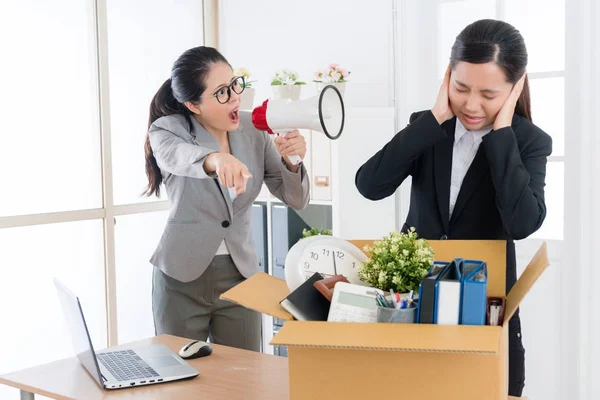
<point x="477" y="162"/>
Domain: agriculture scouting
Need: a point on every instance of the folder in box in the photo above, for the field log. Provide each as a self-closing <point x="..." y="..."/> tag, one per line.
<point x="474" y="292"/>
<point x="447" y="295"/>
<point x="426" y="305"/>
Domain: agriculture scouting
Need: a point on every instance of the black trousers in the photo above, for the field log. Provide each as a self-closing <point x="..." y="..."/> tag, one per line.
<point x="516" y="358"/>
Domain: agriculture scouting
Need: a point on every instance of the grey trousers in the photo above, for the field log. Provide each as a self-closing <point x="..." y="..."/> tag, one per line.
<point x="194" y="310"/>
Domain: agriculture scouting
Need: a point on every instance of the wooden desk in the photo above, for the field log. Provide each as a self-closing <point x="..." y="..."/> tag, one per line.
<point x="227" y="373"/>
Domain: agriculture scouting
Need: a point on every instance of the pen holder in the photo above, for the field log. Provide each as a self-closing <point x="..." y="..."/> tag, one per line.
<point x="397" y="315"/>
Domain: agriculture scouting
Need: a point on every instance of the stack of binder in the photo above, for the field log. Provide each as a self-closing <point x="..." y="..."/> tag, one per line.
<point x="454" y="293"/>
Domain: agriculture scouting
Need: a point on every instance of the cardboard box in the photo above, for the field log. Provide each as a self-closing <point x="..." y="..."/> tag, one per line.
<point x="417" y="361"/>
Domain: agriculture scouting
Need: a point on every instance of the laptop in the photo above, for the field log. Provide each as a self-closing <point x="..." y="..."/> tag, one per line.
<point x="125" y="367"/>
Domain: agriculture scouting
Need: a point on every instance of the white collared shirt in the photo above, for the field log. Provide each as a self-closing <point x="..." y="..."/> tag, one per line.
<point x="466" y="144"/>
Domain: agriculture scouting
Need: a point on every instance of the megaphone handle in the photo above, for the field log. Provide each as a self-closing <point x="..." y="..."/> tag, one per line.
<point x="295" y="159"/>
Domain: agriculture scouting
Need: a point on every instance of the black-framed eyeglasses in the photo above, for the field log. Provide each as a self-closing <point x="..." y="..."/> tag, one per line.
<point x="224" y="94"/>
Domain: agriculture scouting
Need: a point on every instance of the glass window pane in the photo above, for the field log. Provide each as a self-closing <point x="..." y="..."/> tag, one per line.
<point x="144" y="39"/>
<point x="553" y="227"/>
<point x="31" y="313"/>
<point x="453" y="17"/>
<point x="545" y="39"/>
<point x="49" y="140"/>
<point x="136" y="237"/>
<point x="548" y="110"/>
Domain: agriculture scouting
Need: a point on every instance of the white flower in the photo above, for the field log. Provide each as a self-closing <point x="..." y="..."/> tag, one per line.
<point x="382" y="277"/>
<point x="286" y="77"/>
<point x="242" y="71"/>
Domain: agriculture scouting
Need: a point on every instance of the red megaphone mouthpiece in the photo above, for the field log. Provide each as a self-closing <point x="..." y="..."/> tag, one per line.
<point x="259" y="118"/>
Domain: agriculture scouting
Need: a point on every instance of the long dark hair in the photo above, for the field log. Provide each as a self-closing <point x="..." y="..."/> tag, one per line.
<point x="187" y="83"/>
<point x="489" y="40"/>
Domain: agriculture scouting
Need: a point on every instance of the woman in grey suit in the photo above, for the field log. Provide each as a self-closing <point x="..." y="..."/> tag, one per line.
<point x="213" y="163"/>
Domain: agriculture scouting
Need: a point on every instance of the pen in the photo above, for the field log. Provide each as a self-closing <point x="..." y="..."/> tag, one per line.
<point x="377" y="299"/>
<point x="381" y="300"/>
<point x="394" y="301"/>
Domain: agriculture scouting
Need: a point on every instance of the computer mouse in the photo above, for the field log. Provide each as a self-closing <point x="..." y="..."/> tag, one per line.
<point x="195" y="349"/>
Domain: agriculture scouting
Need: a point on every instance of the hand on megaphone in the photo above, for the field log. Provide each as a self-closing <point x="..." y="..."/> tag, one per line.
<point x="292" y="144"/>
<point x="323" y="113"/>
<point x="231" y="171"/>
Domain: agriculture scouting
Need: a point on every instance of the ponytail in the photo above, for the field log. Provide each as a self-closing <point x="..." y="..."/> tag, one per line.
<point x="162" y="105"/>
<point x="523" y="107"/>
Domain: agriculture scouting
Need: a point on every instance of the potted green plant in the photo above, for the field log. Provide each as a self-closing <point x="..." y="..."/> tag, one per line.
<point x="247" y="96"/>
<point x="314" y="232"/>
<point x="286" y="85"/>
<point x="332" y="75"/>
<point x="399" y="261"/>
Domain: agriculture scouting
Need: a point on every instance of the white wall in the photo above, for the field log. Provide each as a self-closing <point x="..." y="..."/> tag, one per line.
<point x="268" y="35"/>
<point x="355" y="217"/>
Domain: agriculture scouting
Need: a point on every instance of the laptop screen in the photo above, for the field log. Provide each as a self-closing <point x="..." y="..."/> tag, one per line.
<point x="78" y="330"/>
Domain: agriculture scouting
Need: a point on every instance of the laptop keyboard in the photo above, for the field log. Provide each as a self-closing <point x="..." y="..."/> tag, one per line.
<point x="126" y="365"/>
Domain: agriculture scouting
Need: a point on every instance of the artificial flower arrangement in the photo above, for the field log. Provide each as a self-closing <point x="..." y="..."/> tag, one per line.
<point x="242" y="71"/>
<point x="399" y="261"/>
<point x="333" y="74"/>
<point x="286" y="77"/>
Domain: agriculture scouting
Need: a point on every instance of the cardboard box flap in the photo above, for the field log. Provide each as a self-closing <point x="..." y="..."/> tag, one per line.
<point x="534" y="270"/>
<point x="391" y="337"/>
<point x="261" y="292"/>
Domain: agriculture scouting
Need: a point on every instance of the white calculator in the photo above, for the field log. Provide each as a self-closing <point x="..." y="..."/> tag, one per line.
<point x="353" y="303"/>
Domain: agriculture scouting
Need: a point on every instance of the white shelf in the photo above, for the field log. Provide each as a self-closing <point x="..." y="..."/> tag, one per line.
<point x="274" y="200"/>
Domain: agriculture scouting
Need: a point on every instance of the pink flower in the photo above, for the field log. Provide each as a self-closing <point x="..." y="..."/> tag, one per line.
<point x="333" y="66"/>
<point x="336" y="76"/>
<point x="344" y="73"/>
<point x="318" y="74"/>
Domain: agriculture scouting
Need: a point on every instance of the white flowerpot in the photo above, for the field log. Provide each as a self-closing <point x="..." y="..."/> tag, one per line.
<point x="341" y="86"/>
<point x="286" y="92"/>
<point x="247" y="99"/>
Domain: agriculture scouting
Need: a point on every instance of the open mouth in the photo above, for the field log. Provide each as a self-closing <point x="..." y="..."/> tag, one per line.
<point x="473" y="120"/>
<point x="234" y="116"/>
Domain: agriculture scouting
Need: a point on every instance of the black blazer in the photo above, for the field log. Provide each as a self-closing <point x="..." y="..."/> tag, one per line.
<point x="502" y="194"/>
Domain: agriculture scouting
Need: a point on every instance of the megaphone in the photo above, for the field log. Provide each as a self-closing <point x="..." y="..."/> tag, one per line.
<point x="324" y="113"/>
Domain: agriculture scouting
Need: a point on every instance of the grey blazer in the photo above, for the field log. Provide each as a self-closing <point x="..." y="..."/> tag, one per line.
<point x="202" y="213"/>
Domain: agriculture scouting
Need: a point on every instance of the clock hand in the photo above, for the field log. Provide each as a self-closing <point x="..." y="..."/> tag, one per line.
<point x="334" y="265"/>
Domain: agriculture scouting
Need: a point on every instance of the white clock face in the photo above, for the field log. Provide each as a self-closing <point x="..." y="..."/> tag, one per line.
<point x="324" y="254"/>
